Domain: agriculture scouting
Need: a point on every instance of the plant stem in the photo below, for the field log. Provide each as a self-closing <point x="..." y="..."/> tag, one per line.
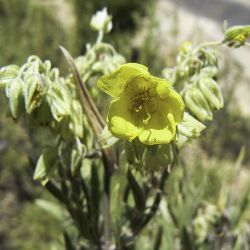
<point x="155" y="205"/>
<point x="56" y="192"/>
<point x="210" y="44"/>
<point x="107" y="179"/>
<point x="100" y="37"/>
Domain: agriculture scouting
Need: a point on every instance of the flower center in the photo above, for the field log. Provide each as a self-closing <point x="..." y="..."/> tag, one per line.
<point x="139" y="100"/>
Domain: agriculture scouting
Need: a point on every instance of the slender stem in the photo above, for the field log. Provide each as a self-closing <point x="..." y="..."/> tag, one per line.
<point x="155" y="205"/>
<point x="56" y="192"/>
<point x="210" y="44"/>
<point x="158" y="240"/>
<point x="107" y="179"/>
<point x="100" y="37"/>
<point x="145" y="219"/>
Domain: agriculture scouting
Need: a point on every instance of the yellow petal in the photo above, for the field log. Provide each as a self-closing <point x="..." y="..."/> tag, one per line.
<point x="163" y="87"/>
<point x="161" y="129"/>
<point x="115" y="83"/>
<point x="171" y="102"/>
<point x="121" y="122"/>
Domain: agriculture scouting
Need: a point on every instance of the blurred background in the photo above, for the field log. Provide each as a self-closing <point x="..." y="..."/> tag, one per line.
<point x="149" y="32"/>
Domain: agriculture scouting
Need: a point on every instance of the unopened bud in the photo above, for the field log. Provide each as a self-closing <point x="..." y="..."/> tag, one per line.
<point x="101" y="21"/>
<point x="237" y="36"/>
<point x="197" y="104"/>
<point x="212" y="93"/>
<point x="15" y="96"/>
<point x="7" y="74"/>
<point x="33" y="91"/>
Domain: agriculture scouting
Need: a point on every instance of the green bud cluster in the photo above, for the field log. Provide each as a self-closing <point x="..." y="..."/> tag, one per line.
<point x="194" y="76"/>
<point x="191" y="63"/>
<point x="47" y="99"/>
<point x="37" y="91"/>
<point x="101" y="58"/>
<point x="203" y="98"/>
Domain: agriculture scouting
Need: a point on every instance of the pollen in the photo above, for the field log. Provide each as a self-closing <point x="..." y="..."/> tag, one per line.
<point x="139" y="100"/>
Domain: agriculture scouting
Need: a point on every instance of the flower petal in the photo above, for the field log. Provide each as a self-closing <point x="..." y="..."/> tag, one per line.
<point x="121" y="122"/>
<point x="115" y="83"/>
<point x="161" y="129"/>
<point x="163" y="87"/>
<point x="173" y="101"/>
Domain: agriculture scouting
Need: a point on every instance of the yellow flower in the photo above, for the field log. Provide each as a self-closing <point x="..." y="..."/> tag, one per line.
<point x="143" y="106"/>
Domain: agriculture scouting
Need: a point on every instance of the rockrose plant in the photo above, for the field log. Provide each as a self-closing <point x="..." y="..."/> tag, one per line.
<point x="108" y="172"/>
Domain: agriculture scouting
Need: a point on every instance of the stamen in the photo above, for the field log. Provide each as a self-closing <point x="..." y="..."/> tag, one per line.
<point x="145" y="122"/>
<point x="140" y="100"/>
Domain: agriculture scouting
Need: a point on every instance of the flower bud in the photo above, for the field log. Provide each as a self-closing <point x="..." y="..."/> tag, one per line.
<point x="170" y="74"/>
<point x="197" y="104"/>
<point x="15" y="96"/>
<point x="237" y="36"/>
<point x="101" y="21"/>
<point x="208" y="56"/>
<point x="212" y="93"/>
<point x="7" y="74"/>
<point x="186" y="47"/>
<point x="33" y="91"/>
<point x="59" y="101"/>
<point x="108" y="63"/>
<point x="209" y="71"/>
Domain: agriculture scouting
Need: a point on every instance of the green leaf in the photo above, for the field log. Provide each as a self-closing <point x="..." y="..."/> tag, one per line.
<point x="51" y="207"/>
<point x="190" y="127"/>
<point x="95" y="193"/>
<point x="45" y="165"/>
<point x="77" y="154"/>
<point x="118" y="185"/>
<point x="76" y="122"/>
<point x="107" y="139"/>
